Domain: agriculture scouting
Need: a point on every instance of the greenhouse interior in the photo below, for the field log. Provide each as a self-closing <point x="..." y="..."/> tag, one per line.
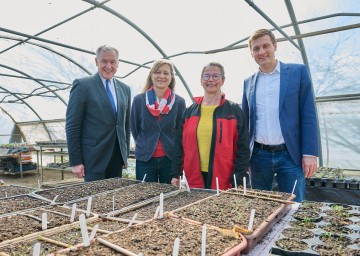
<point x="49" y="48"/>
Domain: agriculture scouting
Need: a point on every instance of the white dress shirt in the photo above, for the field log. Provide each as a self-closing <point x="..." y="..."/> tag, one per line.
<point x="268" y="130"/>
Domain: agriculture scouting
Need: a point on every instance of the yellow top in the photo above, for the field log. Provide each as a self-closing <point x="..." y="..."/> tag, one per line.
<point x="204" y="135"/>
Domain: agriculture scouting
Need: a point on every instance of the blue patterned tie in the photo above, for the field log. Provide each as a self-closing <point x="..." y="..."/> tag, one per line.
<point x="111" y="98"/>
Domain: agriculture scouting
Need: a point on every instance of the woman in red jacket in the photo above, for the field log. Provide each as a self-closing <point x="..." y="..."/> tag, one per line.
<point x="212" y="140"/>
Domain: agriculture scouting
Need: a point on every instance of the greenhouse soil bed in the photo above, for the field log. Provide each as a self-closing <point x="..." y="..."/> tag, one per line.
<point x="29" y="223"/>
<point x="14" y="190"/>
<point x="230" y="211"/>
<point x="51" y="241"/>
<point x="73" y="192"/>
<point x="20" y="203"/>
<point x="174" y="201"/>
<point x="115" y="200"/>
<point x="157" y="238"/>
<point x="109" y="225"/>
<point x="25" y="247"/>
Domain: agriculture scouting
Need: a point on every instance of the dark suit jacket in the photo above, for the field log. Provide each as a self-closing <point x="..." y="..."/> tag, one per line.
<point x="91" y="125"/>
<point x="297" y="112"/>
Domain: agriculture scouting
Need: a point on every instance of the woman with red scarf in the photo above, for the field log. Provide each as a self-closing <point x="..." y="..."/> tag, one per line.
<point x="154" y="119"/>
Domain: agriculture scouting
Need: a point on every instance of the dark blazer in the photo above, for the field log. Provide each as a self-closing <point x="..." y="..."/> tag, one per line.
<point x="91" y="125"/>
<point x="297" y="112"/>
<point x="147" y="130"/>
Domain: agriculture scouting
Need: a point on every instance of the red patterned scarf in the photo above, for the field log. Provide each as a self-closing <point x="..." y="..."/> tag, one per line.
<point x="164" y="106"/>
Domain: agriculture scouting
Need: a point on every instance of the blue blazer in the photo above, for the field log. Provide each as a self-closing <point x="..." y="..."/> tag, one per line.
<point x="297" y="113"/>
<point x="147" y="130"/>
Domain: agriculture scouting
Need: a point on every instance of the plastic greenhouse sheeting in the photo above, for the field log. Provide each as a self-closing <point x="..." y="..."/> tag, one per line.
<point x="45" y="45"/>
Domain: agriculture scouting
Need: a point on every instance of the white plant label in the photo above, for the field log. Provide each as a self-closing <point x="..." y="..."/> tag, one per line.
<point x="251" y="221"/>
<point x="93" y="232"/>
<point x="176" y="247"/>
<point x="203" y="241"/>
<point x="36" y="249"/>
<point x="88" y="208"/>
<point x="235" y="184"/>
<point x="84" y="232"/>
<point x="161" y="205"/>
<point x="73" y="210"/>
<point x="44" y="221"/>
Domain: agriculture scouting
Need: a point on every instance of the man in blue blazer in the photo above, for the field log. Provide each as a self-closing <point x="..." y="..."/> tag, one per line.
<point x="97" y="121"/>
<point x="279" y="107"/>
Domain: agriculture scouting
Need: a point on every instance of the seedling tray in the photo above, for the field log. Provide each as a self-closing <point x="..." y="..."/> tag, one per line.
<point x="83" y="190"/>
<point x="157" y="238"/>
<point x="338" y="228"/>
<point x="229" y="210"/>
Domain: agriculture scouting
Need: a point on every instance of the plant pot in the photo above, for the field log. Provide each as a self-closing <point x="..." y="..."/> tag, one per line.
<point x="340" y="207"/>
<point x="311" y="206"/>
<point x="354" y="184"/>
<point x="302" y="224"/>
<point x="318" y="182"/>
<point x="291" y="247"/>
<point x="329" y="250"/>
<point x="297" y="233"/>
<point x="335" y="239"/>
<point x="309" y="216"/>
<point x="342" y="184"/>
<point x="336" y="229"/>
<point x="309" y="181"/>
<point x="328" y="183"/>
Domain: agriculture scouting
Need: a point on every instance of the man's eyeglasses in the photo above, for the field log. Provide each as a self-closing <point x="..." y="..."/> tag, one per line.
<point x="214" y="76"/>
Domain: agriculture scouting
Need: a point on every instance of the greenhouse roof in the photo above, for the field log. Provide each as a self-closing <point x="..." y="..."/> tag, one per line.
<point x="45" y="45"/>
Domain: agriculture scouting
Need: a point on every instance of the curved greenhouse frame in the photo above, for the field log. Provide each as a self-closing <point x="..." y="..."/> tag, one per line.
<point x="45" y="45"/>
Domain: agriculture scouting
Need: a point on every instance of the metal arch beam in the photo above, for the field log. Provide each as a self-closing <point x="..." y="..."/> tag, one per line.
<point x="43" y="85"/>
<point x="134" y="26"/>
<point x="11" y="117"/>
<point x="267" y="18"/>
<point x="50" y="50"/>
<point x="82" y="50"/>
<point x="310" y="34"/>
<point x="42" y="121"/>
<point x="33" y="110"/>
<point x="32" y="93"/>
<point x="58" y="44"/>
<point x="344" y="97"/>
<point x="56" y="25"/>
<point x="297" y="32"/>
<point x="303" y="22"/>
<point x="37" y="79"/>
<point x="306" y="62"/>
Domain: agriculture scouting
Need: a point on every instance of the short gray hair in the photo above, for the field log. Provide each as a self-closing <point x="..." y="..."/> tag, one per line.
<point x="107" y="48"/>
<point x="215" y="64"/>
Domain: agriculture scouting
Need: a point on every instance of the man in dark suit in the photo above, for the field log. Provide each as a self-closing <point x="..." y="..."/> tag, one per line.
<point x="279" y="106"/>
<point x="97" y="121"/>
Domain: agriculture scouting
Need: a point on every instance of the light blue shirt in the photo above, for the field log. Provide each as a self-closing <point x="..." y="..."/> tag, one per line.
<point x="268" y="130"/>
<point x="112" y="89"/>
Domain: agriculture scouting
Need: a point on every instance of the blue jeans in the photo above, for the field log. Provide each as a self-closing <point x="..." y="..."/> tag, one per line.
<point x="265" y="164"/>
<point x="157" y="169"/>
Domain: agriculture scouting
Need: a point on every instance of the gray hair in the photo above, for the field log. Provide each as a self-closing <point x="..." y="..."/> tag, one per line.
<point x="215" y="64"/>
<point x="107" y="48"/>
